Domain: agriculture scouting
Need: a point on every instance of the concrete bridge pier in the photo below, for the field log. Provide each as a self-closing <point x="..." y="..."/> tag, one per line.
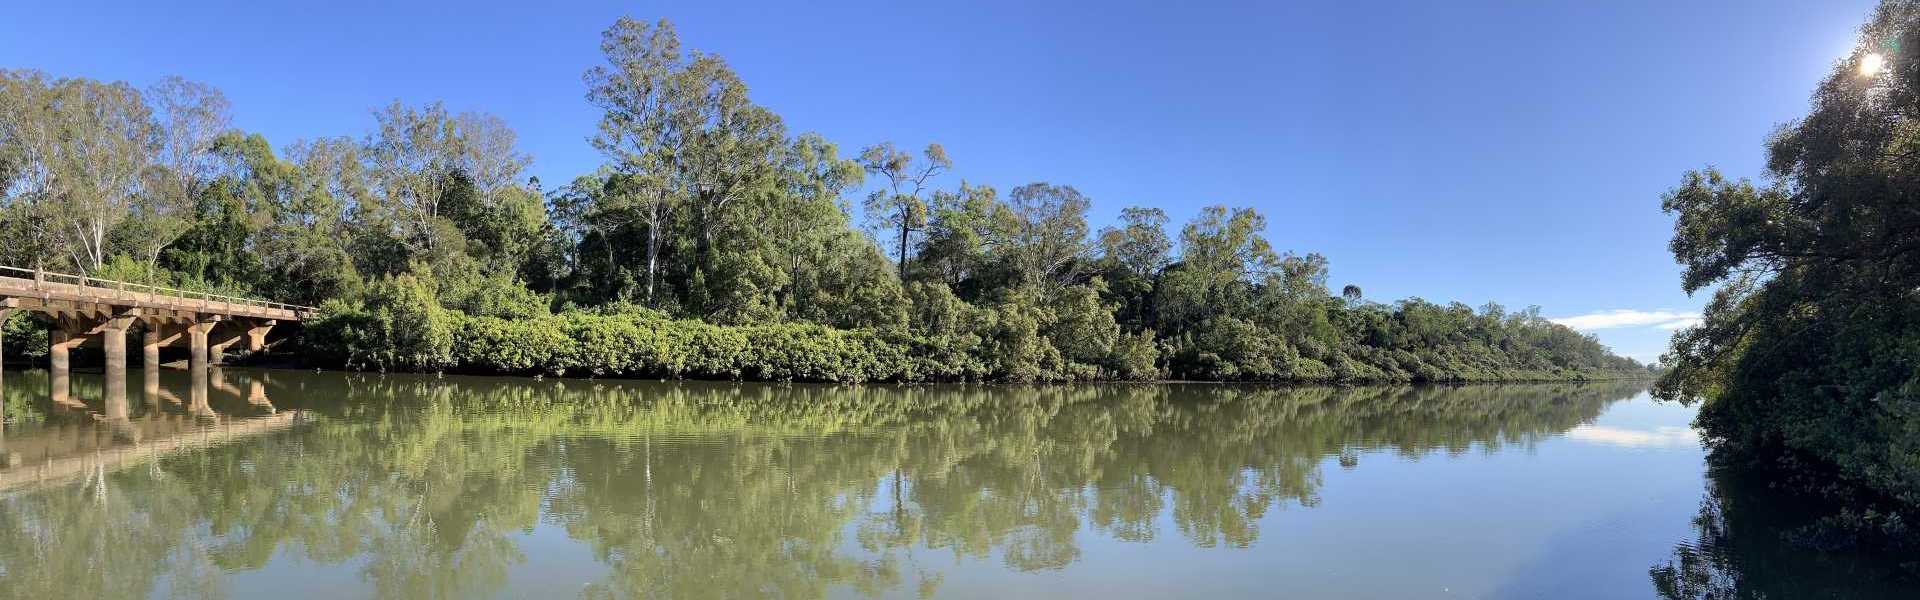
<point x="197" y="343"/>
<point x="150" y="386"/>
<point x="157" y="334"/>
<point x="82" y="307"/>
<point x="197" y="404"/>
<point x="62" y="340"/>
<point x="5" y="313"/>
<point x="113" y="338"/>
<point x="251" y="331"/>
<point x="257" y="334"/>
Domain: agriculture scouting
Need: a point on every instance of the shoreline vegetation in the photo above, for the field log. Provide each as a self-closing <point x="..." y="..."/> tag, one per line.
<point x="407" y="331"/>
<point x="1806" y="363"/>
<point x="711" y="244"/>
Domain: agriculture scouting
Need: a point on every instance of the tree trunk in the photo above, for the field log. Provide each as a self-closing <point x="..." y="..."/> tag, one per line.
<point x="904" y="231"/>
<point x="653" y="244"/>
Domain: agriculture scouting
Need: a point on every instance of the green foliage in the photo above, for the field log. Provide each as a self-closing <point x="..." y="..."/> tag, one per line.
<point x="24" y="336"/>
<point x="713" y="243"/>
<point x="397" y="325"/>
<point x="946" y="333"/>
<point x="1807" y="360"/>
<point x="492" y="295"/>
<point x="124" y="268"/>
<point x="647" y="344"/>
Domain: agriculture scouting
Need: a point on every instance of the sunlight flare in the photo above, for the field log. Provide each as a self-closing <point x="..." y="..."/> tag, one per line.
<point x="1872" y="64"/>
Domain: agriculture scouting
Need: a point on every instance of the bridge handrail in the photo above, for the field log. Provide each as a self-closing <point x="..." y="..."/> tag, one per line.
<point x="124" y="286"/>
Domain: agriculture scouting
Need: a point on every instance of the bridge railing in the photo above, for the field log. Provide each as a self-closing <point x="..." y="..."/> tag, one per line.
<point x="42" y="276"/>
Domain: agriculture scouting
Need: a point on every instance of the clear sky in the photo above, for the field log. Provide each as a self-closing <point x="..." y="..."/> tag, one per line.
<point x="1474" y="151"/>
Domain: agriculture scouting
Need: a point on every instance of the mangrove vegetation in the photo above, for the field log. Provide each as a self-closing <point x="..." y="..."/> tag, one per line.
<point x="1805" y="363"/>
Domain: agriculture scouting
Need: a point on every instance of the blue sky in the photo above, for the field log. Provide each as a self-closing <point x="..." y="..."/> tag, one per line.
<point x="1474" y="151"/>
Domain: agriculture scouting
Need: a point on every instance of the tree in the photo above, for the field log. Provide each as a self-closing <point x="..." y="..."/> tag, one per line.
<point x="411" y="159"/>
<point x="1132" y="257"/>
<point x="898" y="207"/>
<point x="686" y="122"/>
<point x="1809" y="344"/>
<point x="1045" y="233"/>
<point x="834" y="275"/>
<point x="81" y="147"/>
<point x="640" y="126"/>
<point x="963" y="229"/>
<point x="1223" y="254"/>
<point x="307" y="243"/>
<point x="191" y="117"/>
<point x="1140" y="244"/>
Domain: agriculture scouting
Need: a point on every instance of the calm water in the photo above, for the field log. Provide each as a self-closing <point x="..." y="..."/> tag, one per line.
<point x="288" y="484"/>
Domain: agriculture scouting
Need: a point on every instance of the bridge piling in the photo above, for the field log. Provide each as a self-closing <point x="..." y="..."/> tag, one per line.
<point x="5" y="314"/>
<point x="198" y="406"/>
<point x="257" y="334"/>
<point x="150" y="346"/>
<point x="150" y="390"/>
<point x="197" y="342"/>
<point x="62" y="341"/>
<point x="81" y="307"/>
<point x="113" y="339"/>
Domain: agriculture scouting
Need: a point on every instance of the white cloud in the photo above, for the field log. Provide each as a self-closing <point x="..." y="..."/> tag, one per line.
<point x="1624" y="317"/>
<point x="1658" y="437"/>
<point x="1681" y="324"/>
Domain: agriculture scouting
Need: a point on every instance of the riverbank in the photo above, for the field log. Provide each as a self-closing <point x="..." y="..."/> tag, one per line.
<point x="646" y="345"/>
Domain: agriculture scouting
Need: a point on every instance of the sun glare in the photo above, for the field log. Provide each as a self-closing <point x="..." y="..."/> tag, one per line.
<point x="1872" y="63"/>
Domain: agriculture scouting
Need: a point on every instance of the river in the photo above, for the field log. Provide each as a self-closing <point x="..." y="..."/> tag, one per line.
<point x="289" y="484"/>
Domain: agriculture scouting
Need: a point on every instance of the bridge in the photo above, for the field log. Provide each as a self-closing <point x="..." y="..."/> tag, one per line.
<point x="89" y="310"/>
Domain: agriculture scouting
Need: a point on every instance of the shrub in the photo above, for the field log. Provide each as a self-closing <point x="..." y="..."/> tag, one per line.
<point x="399" y="325"/>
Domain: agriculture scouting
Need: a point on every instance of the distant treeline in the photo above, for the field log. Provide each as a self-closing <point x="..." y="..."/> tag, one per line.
<point x="712" y="243"/>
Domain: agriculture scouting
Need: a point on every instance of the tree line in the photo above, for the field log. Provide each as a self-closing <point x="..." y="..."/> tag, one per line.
<point x="712" y="242"/>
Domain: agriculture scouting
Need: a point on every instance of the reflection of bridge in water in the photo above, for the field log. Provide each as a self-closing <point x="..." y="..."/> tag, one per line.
<point x="85" y="311"/>
<point x="91" y="436"/>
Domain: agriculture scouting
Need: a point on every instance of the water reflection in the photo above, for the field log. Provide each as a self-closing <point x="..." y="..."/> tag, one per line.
<point x="1657" y="437"/>
<point x="423" y="488"/>
<point x="1738" y="552"/>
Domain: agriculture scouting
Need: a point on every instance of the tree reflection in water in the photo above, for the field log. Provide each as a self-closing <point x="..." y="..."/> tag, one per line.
<point x="1740" y="552"/>
<point x="713" y="490"/>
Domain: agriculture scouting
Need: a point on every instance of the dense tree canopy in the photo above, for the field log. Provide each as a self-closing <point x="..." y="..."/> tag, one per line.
<point x="1809" y="354"/>
<point x="713" y="242"/>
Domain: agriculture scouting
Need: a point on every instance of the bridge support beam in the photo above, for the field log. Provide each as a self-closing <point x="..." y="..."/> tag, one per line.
<point x="5" y="314"/>
<point x="63" y="339"/>
<point x="257" y="335"/>
<point x="150" y="346"/>
<point x="159" y="334"/>
<point x="156" y="334"/>
<point x="217" y="349"/>
<point x="197" y="343"/>
<point x="113" y="339"/>
<point x="197" y="399"/>
<point x="150" y="385"/>
<point x="251" y="331"/>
